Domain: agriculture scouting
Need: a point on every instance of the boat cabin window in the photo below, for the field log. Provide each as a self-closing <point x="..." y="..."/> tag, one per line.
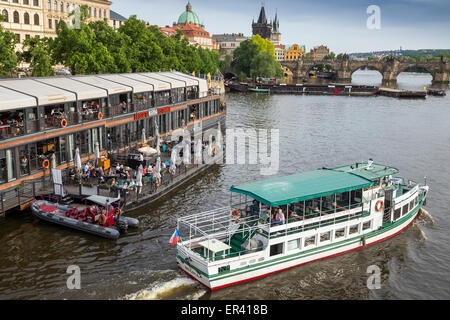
<point x="405" y="209"/>
<point x="354" y="229"/>
<point x="397" y="213"/>
<point x="339" y="233"/>
<point x="325" y="236"/>
<point x="294" y="244"/>
<point x="411" y="205"/>
<point x="276" y="249"/>
<point x="310" y="241"/>
<point x="367" y="225"/>
<point x="224" y="269"/>
<point x="142" y="101"/>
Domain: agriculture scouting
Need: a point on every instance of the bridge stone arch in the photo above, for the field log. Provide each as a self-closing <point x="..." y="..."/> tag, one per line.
<point x="364" y="64"/>
<point x="431" y="69"/>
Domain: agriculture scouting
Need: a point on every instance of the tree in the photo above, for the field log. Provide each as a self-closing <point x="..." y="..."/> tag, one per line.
<point x="264" y="45"/>
<point x="263" y="65"/>
<point x="36" y="52"/>
<point x="243" y="56"/>
<point x="115" y="42"/>
<point x="79" y="50"/>
<point x="330" y="56"/>
<point x="8" y="57"/>
<point x="146" y="55"/>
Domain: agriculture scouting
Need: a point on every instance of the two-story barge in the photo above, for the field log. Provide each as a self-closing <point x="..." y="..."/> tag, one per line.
<point x="43" y="120"/>
<point x="285" y="222"/>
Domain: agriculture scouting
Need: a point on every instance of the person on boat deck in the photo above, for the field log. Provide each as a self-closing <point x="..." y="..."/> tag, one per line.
<point x="280" y="216"/>
<point x="292" y="215"/>
<point x="254" y="207"/>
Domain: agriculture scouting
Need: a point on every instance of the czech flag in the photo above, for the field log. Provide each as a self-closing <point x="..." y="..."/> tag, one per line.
<point x="175" y="237"/>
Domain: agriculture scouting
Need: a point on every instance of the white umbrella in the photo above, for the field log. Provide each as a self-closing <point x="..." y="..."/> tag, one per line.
<point x="158" y="141"/>
<point x="157" y="176"/>
<point x="173" y="160"/>
<point x="53" y="161"/>
<point x="139" y="176"/>
<point x="144" y="138"/>
<point x="77" y="160"/>
<point x="187" y="153"/>
<point x="148" y="150"/>
<point x="198" y="152"/>
<point x="219" y="139"/>
<point x="97" y="153"/>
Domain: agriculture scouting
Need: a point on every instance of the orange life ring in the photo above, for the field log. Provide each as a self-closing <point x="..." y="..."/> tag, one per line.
<point x="102" y="219"/>
<point x="214" y="151"/>
<point x="194" y="117"/>
<point x="236" y="215"/>
<point x="379" y="205"/>
<point x="100" y="116"/>
<point x="63" y="123"/>
<point x="46" y="163"/>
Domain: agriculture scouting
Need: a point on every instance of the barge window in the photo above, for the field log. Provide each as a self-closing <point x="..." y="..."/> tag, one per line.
<point x="7" y="170"/>
<point x="276" y="249"/>
<point x="411" y="205"/>
<point x="367" y="225"/>
<point x="224" y="269"/>
<point x="24" y="161"/>
<point x="397" y="213"/>
<point x="405" y="209"/>
<point x="309" y="241"/>
<point x="11" y="124"/>
<point x="354" y="229"/>
<point x="339" y="233"/>
<point x="294" y="244"/>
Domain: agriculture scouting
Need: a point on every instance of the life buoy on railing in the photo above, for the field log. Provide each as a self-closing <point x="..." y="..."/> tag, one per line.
<point x="236" y="215"/>
<point x="100" y="116"/>
<point x="63" y="123"/>
<point x="379" y="205"/>
<point x="46" y="164"/>
<point x="102" y="219"/>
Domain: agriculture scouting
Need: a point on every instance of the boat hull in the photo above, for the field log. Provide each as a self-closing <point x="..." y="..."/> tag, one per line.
<point x="94" y="229"/>
<point x="286" y="262"/>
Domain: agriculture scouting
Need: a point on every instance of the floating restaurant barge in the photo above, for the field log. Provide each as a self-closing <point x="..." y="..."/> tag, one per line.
<point x="319" y="214"/>
<point x="43" y="121"/>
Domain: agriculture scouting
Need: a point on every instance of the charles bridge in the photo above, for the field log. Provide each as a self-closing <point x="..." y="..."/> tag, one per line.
<point x="390" y="69"/>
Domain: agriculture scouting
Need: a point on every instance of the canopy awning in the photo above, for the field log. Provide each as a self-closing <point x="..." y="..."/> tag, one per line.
<point x="130" y="81"/>
<point x="46" y="94"/>
<point x="83" y="91"/>
<point x="188" y="80"/>
<point x="146" y="77"/>
<point x="112" y="87"/>
<point x="101" y="200"/>
<point x="302" y="186"/>
<point x="372" y="172"/>
<point x="171" y="81"/>
<point x="12" y="100"/>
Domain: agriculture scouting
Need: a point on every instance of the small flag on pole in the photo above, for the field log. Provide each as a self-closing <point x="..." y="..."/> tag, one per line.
<point x="175" y="237"/>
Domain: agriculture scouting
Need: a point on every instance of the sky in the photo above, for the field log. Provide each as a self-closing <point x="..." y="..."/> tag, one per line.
<point x="339" y="24"/>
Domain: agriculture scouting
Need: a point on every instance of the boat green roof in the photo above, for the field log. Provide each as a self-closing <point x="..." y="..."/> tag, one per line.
<point x="372" y="172"/>
<point x="302" y="186"/>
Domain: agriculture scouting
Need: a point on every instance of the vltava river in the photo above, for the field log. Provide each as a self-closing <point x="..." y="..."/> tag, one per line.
<point x="315" y="131"/>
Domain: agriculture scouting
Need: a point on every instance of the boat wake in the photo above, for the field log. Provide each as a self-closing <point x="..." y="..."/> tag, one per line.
<point x="426" y="216"/>
<point x="170" y="289"/>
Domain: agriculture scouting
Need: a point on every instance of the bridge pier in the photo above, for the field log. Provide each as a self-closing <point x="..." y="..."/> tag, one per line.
<point x="441" y="78"/>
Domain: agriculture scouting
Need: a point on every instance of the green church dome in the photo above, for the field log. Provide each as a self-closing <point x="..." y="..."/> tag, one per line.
<point x="189" y="16"/>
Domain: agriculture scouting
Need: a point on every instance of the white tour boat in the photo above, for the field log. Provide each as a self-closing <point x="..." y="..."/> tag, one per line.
<point x="321" y="213"/>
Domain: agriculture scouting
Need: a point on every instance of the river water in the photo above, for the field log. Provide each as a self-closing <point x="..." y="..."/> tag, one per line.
<point x="315" y="131"/>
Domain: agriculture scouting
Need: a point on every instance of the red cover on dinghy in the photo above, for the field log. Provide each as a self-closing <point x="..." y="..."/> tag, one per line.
<point x="47" y="208"/>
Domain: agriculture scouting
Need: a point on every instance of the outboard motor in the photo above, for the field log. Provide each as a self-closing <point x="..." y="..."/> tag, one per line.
<point x="121" y="225"/>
